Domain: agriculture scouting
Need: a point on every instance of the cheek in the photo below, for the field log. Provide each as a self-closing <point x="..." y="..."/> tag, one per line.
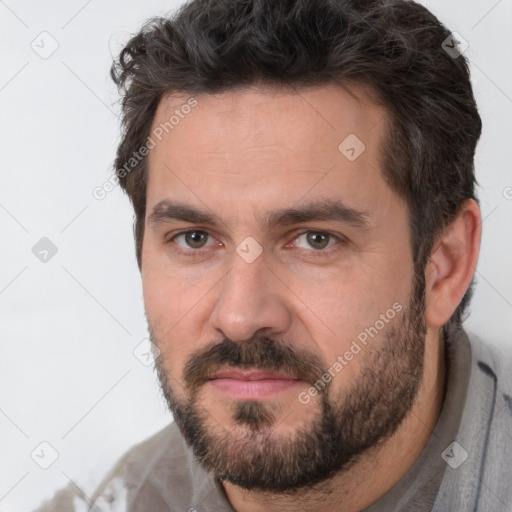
<point x="347" y="300"/>
<point x="168" y="293"/>
<point x="169" y="307"/>
<point x="357" y="306"/>
<point x="173" y="308"/>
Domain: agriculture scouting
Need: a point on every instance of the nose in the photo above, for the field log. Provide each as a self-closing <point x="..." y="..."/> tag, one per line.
<point x="251" y="301"/>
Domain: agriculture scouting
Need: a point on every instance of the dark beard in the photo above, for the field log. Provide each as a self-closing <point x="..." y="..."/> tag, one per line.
<point x="253" y="456"/>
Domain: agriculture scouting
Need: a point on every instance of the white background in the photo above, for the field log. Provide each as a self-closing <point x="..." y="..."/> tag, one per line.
<point x="68" y="375"/>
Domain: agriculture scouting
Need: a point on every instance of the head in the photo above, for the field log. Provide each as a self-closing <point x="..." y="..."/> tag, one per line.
<point x="254" y="133"/>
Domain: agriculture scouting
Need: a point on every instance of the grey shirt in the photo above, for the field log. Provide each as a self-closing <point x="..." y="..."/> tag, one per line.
<point x="465" y="466"/>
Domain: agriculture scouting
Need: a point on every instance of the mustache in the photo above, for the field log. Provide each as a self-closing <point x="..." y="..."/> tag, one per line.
<point x="263" y="353"/>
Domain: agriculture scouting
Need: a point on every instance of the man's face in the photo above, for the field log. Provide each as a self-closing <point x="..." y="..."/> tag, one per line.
<point x="290" y="344"/>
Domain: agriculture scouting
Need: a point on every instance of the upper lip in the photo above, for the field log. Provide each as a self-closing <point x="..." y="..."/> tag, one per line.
<point x="249" y="375"/>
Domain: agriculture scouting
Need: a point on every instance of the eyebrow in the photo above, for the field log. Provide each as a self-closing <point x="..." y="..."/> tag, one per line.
<point x="323" y="210"/>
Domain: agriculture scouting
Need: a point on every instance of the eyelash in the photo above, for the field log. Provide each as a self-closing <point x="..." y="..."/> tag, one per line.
<point x="313" y="252"/>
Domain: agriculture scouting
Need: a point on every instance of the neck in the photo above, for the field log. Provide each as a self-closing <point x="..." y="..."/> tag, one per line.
<point x="377" y="471"/>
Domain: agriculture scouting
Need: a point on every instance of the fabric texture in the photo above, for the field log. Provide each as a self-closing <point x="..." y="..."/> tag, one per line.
<point x="465" y="466"/>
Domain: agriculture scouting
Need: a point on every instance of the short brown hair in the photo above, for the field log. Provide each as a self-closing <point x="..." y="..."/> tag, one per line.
<point x="397" y="47"/>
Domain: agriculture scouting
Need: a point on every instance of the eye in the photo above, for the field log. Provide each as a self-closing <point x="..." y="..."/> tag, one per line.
<point x="192" y="239"/>
<point x="195" y="242"/>
<point x="318" y="240"/>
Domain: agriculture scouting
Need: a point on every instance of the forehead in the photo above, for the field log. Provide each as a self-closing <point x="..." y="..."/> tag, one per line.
<point x="250" y="146"/>
<point x="330" y="112"/>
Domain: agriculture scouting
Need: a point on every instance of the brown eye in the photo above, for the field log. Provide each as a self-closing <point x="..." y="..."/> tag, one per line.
<point x="195" y="239"/>
<point x="317" y="240"/>
<point x="192" y="239"/>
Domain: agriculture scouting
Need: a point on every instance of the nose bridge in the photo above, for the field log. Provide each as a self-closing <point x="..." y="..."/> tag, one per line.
<point x="250" y="299"/>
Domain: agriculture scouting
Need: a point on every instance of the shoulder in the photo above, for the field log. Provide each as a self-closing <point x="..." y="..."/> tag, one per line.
<point x="493" y="360"/>
<point x="495" y="365"/>
<point x="148" y="473"/>
<point x="161" y="454"/>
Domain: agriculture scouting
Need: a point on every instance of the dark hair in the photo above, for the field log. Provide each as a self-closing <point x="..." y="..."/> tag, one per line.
<point x="394" y="46"/>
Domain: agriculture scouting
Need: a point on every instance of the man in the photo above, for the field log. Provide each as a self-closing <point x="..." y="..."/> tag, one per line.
<point x="307" y="232"/>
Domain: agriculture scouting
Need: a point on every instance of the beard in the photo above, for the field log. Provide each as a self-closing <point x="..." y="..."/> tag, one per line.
<point x="251" y="454"/>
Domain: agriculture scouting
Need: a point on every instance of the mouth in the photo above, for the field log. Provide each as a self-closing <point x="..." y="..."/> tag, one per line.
<point x="252" y="384"/>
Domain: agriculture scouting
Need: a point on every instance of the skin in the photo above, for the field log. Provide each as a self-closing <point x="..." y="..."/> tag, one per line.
<point x="241" y="154"/>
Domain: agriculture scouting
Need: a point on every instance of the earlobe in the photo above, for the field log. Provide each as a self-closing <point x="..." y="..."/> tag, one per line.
<point x="452" y="264"/>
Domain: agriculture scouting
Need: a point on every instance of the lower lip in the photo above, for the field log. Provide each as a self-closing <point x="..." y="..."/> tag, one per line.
<point x="253" y="389"/>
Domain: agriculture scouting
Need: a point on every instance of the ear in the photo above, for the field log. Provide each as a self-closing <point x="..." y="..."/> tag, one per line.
<point x="452" y="264"/>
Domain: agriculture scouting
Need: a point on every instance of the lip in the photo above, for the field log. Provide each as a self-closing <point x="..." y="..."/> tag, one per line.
<point x="251" y="384"/>
<point x="239" y="374"/>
